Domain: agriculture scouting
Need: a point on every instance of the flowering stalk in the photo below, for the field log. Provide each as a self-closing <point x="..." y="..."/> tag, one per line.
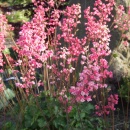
<point x="122" y="23"/>
<point x="95" y="70"/>
<point x="38" y="32"/>
<point x="55" y="56"/>
<point x="4" y="29"/>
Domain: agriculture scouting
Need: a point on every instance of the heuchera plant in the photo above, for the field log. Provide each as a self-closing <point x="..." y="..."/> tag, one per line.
<point x="48" y="44"/>
<point x="4" y="29"/>
<point x="95" y="69"/>
<point x="122" y="23"/>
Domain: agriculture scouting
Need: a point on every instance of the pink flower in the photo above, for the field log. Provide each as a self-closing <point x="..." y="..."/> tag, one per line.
<point x="69" y="109"/>
<point x="83" y="57"/>
<point x="51" y="3"/>
<point x="126" y="43"/>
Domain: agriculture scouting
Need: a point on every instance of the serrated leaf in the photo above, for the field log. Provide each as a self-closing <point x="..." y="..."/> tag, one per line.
<point x="56" y="110"/>
<point x="41" y="123"/>
<point x="82" y="115"/>
<point x="90" y="106"/>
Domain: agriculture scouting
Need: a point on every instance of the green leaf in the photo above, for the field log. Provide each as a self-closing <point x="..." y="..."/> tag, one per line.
<point x="66" y="3"/>
<point x="73" y="122"/>
<point x="78" y="124"/>
<point x="10" y="71"/>
<point x="9" y="126"/>
<point x="28" y="120"/>
<point x="56" y="110"/>
<point x="59" y="122"/>
<point x="115" y="55"/>
<point x="89" y="107"/>
<point x="41" y="123"/>
<point x="99" y="128"/>
<point x="9" y="94"/>
<point x="82" y="115"/>
<point x="17" y="16"/>
<point x="76" y="117"/>
<point x="6" y="51"/>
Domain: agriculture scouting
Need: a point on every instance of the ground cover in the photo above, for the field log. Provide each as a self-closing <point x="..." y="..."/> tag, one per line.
<point x="53" y="80"/>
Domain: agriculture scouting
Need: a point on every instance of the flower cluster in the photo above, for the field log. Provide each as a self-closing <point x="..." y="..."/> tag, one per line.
<point x="34" y="42"/>
<point x="105" y="110"/>
<point x="95" y="69"/>
<point x="4" y="29"/>
<point x="50" y="53"/>
<point x="122" y="23"/>
<point x="67" y="47"/>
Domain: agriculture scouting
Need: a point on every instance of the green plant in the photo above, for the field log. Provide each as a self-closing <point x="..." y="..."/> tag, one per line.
<point x="45" y="112"/>
<point x="124" y="90"/>
<point x="18" y="16"/>
<point x="18" y="12"/>
<point x="50" y="45"/>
